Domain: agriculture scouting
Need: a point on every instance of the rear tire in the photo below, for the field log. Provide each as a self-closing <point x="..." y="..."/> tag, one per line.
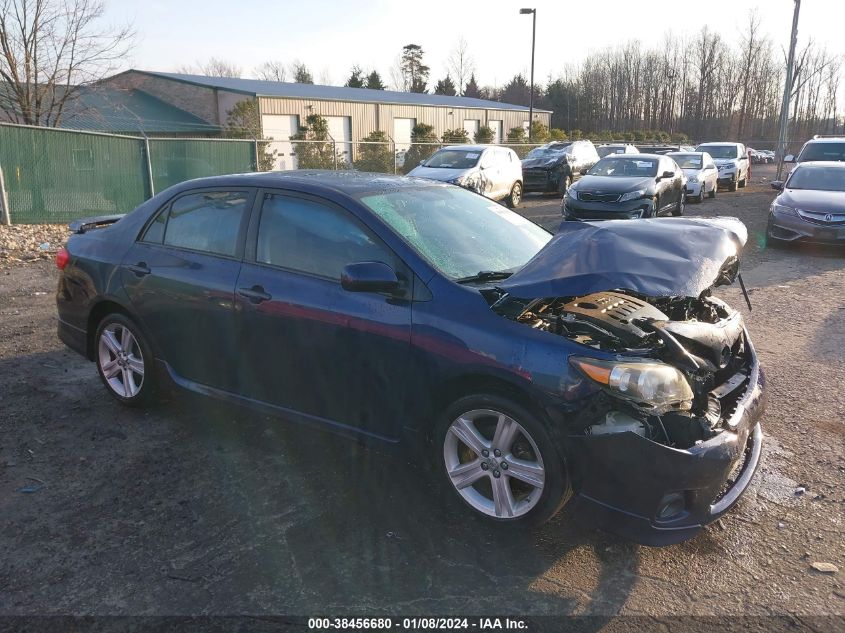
<point x="515" y="196"/>
<point x="499" y="488"/>
<point x="124" y="360"/>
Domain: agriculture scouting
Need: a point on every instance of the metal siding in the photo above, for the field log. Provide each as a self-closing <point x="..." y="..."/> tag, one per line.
<point x="370" y="117"/>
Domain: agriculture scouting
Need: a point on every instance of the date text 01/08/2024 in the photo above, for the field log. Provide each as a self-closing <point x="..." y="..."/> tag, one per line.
<point x="418" y="623"/>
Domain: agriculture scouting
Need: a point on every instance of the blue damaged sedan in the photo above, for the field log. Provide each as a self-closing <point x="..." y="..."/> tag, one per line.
<point x="593" y="366"/>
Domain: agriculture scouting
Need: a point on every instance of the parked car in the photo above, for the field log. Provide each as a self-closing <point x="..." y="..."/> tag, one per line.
<point x="416" y="314"/>
<point x="664" y="149"/>
<point x="622" y="148"/>
<point x="811" y="204"/>
<point x="824" y="148"/>
<point x="700" y="171"/>
<point x="494" y="172"/>
<point x="627" y="186"/>
<point x="555" y="166"/>
<point x="732" y="162"/>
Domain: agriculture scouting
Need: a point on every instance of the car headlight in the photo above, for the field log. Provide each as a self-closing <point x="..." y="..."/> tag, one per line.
<point x="653" y="386"/>
<point x="632" y="195"/>
<point x="782" y="208"/>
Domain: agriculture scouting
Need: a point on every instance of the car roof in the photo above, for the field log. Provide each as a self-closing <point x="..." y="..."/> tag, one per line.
<point x="344" y="181"/>
<point x="835" y="139"/>
<point x="469" y="148"/>
<point x="634" y="156"/>
<point x="719" y="143"/>
<point x="838" y="164"/>
<point x="684" y="152"/>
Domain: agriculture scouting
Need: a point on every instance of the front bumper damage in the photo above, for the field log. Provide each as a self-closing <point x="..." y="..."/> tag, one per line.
<point x="624" y="481"/>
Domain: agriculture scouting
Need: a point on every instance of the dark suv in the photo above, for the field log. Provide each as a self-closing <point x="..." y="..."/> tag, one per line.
<point x="554" y="166"/>
<point x="820" y="148"/>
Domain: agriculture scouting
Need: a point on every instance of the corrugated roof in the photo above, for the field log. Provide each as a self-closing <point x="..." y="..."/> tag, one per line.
<point x="107" y="109"/>
<point x="262" y="88"/>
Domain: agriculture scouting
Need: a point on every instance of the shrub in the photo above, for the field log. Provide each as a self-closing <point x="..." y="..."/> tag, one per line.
<point x="373" y="157"/>
<point x="556" y="134"/>
<point x="321" y="152"/>
<point x="423" y="144"/>
<point x="455" y="136"/>
<point x="484" y="136"/>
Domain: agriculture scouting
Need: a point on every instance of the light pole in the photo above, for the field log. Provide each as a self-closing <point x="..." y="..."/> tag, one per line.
<point x="533" y="12"/>
<point x="787" y="89"/>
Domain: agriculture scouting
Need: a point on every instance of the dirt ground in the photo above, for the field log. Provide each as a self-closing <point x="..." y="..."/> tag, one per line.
<point x="195" y="508"/>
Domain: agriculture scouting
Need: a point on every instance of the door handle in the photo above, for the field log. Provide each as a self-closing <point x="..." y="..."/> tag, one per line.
<point x="256" y="294"/>
<point x="140" y="269"/>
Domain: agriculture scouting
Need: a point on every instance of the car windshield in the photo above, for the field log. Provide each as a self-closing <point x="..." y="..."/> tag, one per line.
<point x="454" y="159"/>
<point x="687" y="161"/>
<point x="614" y="165"/>
<point x="546" y="152"/>
<point x="823" y="151"/>
<point x="459" y="232"/>
<point x="817" y="177"/>
<point x="720" y="151"/>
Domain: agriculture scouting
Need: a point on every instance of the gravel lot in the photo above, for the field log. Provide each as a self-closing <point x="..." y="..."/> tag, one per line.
<point x="196" y="508"/>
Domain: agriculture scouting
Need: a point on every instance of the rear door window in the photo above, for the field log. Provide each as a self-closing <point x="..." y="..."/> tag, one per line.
<point x="207" y="221"/>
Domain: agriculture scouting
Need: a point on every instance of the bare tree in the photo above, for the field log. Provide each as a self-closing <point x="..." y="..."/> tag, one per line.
<point x="214" y="67"/>
<point x="460" y="65"/>
<point x="272" y="70"/>
<point x="49" y="49"/>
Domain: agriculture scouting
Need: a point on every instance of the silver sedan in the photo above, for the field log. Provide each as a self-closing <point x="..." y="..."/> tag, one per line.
<point x="701" y="174"/>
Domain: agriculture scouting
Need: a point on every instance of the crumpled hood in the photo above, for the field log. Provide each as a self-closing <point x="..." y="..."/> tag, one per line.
<point x="547" y="162"/>
<point x="660" y="257"/>
<point x="443" y="174"/>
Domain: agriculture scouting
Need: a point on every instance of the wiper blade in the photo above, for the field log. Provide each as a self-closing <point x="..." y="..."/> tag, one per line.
<point x="485" y="275"/>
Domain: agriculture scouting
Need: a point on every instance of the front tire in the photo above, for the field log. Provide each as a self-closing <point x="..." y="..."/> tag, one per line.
<point x="497" y="460"/>
<point x="124" y="360"/>
<point x="515" y="196"/>
<point x="700" y="197"/>
<point x="733" y="185"/>
<point x="565" y="183"/>
<point x="678" y="211"/>
<point x="712" y="193"/>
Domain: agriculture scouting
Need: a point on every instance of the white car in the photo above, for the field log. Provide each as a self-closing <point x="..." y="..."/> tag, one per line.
<point x="700" y="170"/>
<point x="732" y="162"/>
<point x="619" y="148"/>
<point x="492" y="171"/>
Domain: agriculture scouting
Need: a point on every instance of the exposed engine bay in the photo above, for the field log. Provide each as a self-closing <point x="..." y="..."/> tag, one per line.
<point x="702" y="338"/>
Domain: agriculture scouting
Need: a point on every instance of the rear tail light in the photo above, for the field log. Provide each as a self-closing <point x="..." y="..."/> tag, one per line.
<point x="62" y="258"/>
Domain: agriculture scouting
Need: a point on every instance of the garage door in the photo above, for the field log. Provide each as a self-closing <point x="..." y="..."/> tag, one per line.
<point x="496" y="126"/>
<point x="280" y="127"/>
<point x="340" y="128"/>
<point x="402" y="130"/>
<point x="471" y="126"/>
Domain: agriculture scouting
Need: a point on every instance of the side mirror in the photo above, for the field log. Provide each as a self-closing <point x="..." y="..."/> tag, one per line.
<point x="369" y="277"/>
<point x="421" y="163"/>
<point x="789" y="158"/>
<point x="583" y="171"/>
<point x="711" y="166"/>
<point x="777" y="185"/>
<point x="668" y="174"/>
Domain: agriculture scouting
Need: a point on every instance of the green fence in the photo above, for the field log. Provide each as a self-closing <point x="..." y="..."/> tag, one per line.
<point x="53" y="176"/>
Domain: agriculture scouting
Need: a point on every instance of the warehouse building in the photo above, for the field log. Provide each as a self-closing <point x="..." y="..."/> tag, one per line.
<point x="352" y="113"/>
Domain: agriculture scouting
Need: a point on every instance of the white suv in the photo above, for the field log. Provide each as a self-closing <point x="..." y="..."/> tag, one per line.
<point x="495" y="172"/>
<point x="731" y="160"/>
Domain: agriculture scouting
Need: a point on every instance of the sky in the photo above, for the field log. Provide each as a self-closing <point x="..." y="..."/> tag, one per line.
<point x="329" y="36"/>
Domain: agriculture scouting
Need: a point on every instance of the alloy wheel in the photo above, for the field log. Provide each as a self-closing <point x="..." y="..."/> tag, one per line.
<point x="494" y="464"/>
<point x="121" y="360"/>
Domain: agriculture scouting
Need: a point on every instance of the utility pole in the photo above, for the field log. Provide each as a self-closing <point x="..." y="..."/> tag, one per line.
<point x="533" y="12"/>
<point x="787" y="89"/>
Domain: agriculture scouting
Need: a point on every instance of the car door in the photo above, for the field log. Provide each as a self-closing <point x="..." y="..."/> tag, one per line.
<point x="309" y="345"/>
<point x="180" y="280"/>
<point x="711" y="174"/>
<point x="490" y="168"/>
